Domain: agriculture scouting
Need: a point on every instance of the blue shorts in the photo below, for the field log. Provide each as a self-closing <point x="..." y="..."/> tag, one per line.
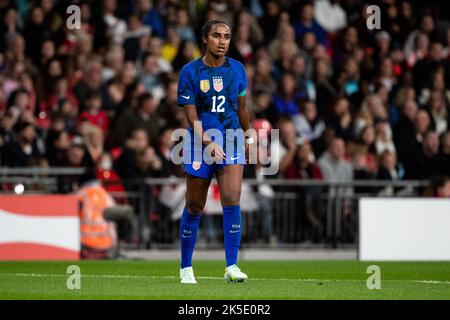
<point x="205" y="168"/>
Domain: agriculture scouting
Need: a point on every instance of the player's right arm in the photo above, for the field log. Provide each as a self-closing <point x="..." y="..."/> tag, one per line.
<point x="186" y="99"/>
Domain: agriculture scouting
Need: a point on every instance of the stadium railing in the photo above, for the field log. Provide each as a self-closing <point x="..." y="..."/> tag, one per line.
<point x="277" y="213"/>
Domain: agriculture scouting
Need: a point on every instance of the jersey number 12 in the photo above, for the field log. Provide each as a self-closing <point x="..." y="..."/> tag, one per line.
<point x="219" y="107"/>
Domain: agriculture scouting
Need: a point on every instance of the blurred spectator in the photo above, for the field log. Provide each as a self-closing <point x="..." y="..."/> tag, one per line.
<point x="387" y="169"/>
<point x="423" y="69"/>
<point x="429" y="163"/>
<point x="341" y="119"/>
<point x="439" y="111"/>
<point x="150" y="16"/>
<point x="25" y="147"/>
<point x="286" y="145"/>
<point x="333" y="165"/>
<point x="439" y="187"/>
<point x="116" y="27"/>
<point x="114" y="62"/>
<point x="269" y="20"/>
<point x="164" y="153"/>
<point x="91" y="79"/>
<point x="307" y="23"/>
<point x="383" y="136"/>
<point x="285" y="99"/>
<point x="184" y="29"/>
<point x="186" y="53"/>
<point x="262" y="106"/>
<point x="263" y="79"/>
<point x="445" y="152"/>
<point x="93" y="113"/>
<point x="143" y="116"/>
<point x="57" y="144"/>
<point x="93" y="137"/>
<point x="308" y="124"/>
<point x="304" y="166"/>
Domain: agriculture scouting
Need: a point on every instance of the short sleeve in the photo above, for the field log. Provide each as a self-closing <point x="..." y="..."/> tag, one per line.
<point x="243" y="83"/>
<point x="186" y="92"/>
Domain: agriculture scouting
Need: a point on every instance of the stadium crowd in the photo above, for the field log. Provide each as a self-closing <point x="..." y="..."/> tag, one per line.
<point x="350" y="102"/>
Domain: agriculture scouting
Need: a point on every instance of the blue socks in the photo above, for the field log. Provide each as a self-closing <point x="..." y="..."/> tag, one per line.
<point x="232" y="225"/>
<point x="188" y="235"/>
<point x="232" y="230"/>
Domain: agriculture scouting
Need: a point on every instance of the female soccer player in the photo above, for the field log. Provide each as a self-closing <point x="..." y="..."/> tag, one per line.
<point x="212" y="90"/>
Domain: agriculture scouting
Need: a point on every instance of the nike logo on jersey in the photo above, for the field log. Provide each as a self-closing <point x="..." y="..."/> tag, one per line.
<point x="186" y="97"/>
<point x="234" y="231"/>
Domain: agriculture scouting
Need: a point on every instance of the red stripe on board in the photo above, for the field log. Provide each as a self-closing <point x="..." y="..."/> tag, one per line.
<point x="33" y="251"/>
<point x="40" y="205"/>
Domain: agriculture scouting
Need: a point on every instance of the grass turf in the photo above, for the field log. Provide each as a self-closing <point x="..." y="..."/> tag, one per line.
<point x="267" y="280"/>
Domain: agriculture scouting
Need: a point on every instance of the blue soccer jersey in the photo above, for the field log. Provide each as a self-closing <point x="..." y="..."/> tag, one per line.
<point x="214" y="91"/>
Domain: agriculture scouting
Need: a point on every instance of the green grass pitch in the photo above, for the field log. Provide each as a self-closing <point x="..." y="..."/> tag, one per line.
<point x="267" y="280"/>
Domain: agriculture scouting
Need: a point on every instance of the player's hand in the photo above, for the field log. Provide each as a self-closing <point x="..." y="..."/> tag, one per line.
<point x="215" y="151"/>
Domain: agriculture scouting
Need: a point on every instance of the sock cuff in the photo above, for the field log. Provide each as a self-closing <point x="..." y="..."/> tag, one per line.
<point x="190" y="216"/>
<point x="231" y="209"/>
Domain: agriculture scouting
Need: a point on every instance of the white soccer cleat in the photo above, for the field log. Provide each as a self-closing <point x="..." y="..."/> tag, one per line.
<point x="187" y="275"/>
<point x="234" y="274"/>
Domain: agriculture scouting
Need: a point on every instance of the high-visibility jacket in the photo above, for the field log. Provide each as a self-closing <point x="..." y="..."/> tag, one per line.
<point x="96" y="232"/>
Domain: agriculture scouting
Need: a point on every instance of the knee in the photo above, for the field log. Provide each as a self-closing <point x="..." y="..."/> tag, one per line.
<point x="230" y="199"/>
<point x="195" y="207"/>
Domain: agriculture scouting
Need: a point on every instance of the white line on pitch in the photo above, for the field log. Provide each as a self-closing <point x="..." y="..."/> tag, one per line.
<point x="127" y="276"/>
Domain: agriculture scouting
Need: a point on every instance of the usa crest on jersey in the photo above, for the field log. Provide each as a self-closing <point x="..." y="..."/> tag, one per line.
<point x="217" y="83"/>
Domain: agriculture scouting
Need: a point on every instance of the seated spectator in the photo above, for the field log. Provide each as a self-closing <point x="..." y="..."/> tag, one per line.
<point x="143" y="116"/>
<point x="364" y="149"/>
<point x="308" y="124"/>
<point x="263" y="79"/>
<point x="26" y="147"/>
<point x="285" y="99"/>
<point x="240" y="47"/>
<point x="304" y="166"/>
<point x="283" y="149"/>
<point x="409" y="144"/>
<point x="91" y="79"/>
<point x="307" y="23"/>
<point x="262" y="106"/>
<point x="387" y="169"/>
<point x="114" y="62"/>
<point x="57" y="144"/>
<point x="429" y="163"/>
<point x="116" y="27"/>
<point x="164" y="152"/>
<point x="341" y="119"/>
<point x="60" y="92"/>
<point x="93" y="137"/>
<point x="151" y="72"/>
<point x="93" y="113"/>
<point x="439" y="112"/>
<point x="445" y="152"/>
<point x="183" y="27"/>
<point x="439" y="187"/>
<point x="383" y="136"/>
<point x="334" y="167"/>
<point x="186" y="53"/>
<point x="20" y="102"/>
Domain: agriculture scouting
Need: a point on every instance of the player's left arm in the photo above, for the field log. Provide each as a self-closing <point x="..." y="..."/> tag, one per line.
<point x="242" y="111"/>
<point x="244" y="120"/>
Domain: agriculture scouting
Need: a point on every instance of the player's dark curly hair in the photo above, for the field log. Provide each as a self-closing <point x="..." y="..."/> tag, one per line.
<point x="209" y="24"/>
